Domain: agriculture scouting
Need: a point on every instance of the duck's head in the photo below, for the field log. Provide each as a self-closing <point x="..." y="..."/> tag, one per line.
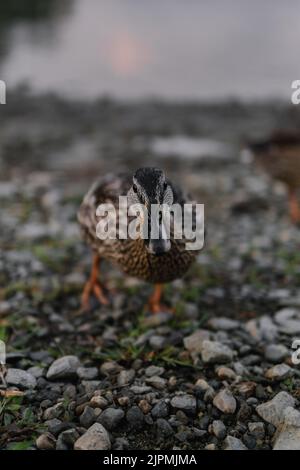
<point x="150" y="187"/>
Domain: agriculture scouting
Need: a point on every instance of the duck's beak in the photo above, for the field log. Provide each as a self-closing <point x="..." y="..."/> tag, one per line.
<point x="159" y="242"/>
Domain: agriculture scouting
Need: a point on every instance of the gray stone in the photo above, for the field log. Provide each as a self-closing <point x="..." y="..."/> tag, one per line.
<point x="87" y="418"/>
<point x="218" y="429"/>
<point x="140" y="389"/>
<point x="95" y="438"/>
<point x="111" y="418"/>
<point x="214" y="352"/>
<point x="135" y="417"/>
<point x="157" y="342"/>
<point x="288" y="434"/>
<point x="223" y="323"/>
<point x="184" y="402"/>
<point x="160" y="410"/>
<point x="279" y="372"/>
<point x="126" y="377"/>
<point x="55" y="411"/>
<point x="193" y="342"/>
<point x="36" y="371"/>
<point x="233" y="443"/>
<point x="257" y="429"/>
<point x="225" y="401"/>
<point x="273" y="410"/>
<point x="164" y="428"/>
<point x="63" y="368"/>
<point x="276" y="352"/>
<point x="87" y="373"/>
<point x="154" y="370"/>
<point x="20" y="378"/>
<point x="157" y="382"/>
<point x="157" y="319"/>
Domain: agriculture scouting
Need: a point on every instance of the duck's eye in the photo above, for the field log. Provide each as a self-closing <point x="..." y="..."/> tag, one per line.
<point x="134" y="187"/>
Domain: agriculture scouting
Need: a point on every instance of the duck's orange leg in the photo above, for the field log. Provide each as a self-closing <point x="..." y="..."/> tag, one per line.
<point x="93" y="286"/>
<point x="154" y="302"/>
<point x="294" y="207"/>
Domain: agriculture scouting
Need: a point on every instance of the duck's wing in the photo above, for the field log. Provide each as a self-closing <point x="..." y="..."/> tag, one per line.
<point x="105" y="190"/>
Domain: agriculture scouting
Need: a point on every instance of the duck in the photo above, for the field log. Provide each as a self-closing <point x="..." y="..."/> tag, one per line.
<point x="157" y="260"/>
<point x="279" y="156"/>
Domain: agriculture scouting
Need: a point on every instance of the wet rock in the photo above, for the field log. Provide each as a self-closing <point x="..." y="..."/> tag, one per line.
<point x="111" y="418"/>
<point x="233" y="443"/>
<point x="214" y="352"/>
<point x="20" y="378"/>
<point x="225" y="401"/>
<point x="95" y="438"/>
<point x="273" y="410"/>
<point x="63" y="368"/>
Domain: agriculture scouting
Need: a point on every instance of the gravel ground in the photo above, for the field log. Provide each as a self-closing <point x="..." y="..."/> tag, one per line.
<point x="217" y="374"/>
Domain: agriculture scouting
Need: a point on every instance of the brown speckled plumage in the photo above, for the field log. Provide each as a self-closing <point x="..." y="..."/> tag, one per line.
<point x="131" y="255"/>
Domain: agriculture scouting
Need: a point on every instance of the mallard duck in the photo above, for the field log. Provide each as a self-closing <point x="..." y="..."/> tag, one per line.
<point x="279" y="155"/>
<point x="158" y="260"/>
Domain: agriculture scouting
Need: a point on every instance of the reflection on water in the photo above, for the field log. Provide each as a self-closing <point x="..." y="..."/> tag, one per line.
<point x="172" y="49"/>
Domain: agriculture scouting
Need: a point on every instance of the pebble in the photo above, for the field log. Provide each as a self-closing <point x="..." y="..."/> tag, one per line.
<point x="110" y="368"/>
<point x="279" y="372"/>
<point x="154" y="370"/>
<point x="46" y="441"/>
<point x="20" y="378"/>
<point x="218" y="429"/>
<point x="273" y="410"/>
<point x="98" y="401"/>
<point x="225" y="401"/>
<point x="87" y="373"/>
<point x="160" y="410"/>
<point x="55" y="411"/>
<point x="63" y="368"/>
<point x="36" y="371"/>
<point x="223" y="323"/>
<point x="95" y="438"/>
<point x="214" y="352"/>
<point x="144" y="406"/>
<point x="225" y="373"/>
<point x="157" y="319"/>
<point x="110" y="418"/>
<point x="233" y="443"/>
<point x="288" y="435"/>
<point x="135" y="417"/>
<point x="87" y="418"/>
<point x="126" y="377"/>
<point x="184" y="402"/>
<point x="193" y="343"/>
<point x="164" y="428"/>
<point x="276" y="352"/>
<point x="157" y="342"/>
<point x="257" y="429"/>
<point x="157" y="382"/>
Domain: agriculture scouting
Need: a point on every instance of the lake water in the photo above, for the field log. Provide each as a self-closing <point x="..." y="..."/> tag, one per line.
<point x="170" y="49"/>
